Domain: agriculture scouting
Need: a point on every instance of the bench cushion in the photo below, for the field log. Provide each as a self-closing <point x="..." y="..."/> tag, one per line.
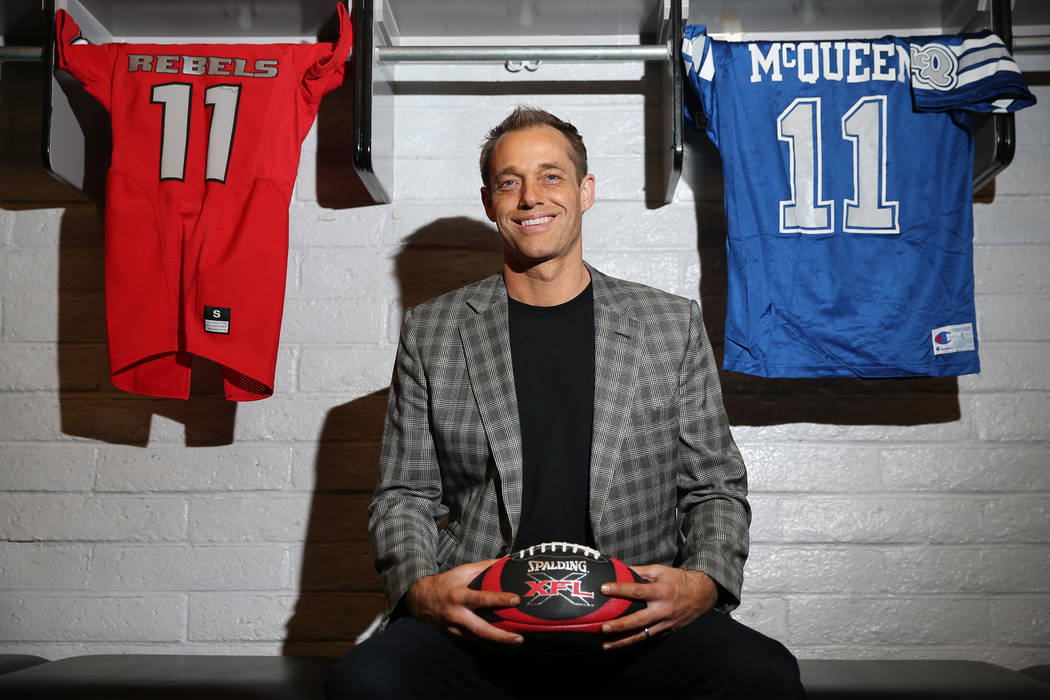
<point x="908" y="679"/>
<point x="141" y="676"/>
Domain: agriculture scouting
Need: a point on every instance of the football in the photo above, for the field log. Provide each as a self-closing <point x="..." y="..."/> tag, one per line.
<point x="562" y="607"/>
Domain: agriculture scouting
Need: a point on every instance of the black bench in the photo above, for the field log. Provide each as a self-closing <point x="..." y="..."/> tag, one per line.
<point x="16" y="662"/>
<point x="142" y="677"/>
<point x="907" y="680"/>
<point x="165" y="676"/>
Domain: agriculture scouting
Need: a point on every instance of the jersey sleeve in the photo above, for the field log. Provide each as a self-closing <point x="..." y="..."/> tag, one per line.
<point x="971" y="72"/>
<point x="326" y="72"/>
<point x="699" y="105"/>
<point x="90" y="64"/>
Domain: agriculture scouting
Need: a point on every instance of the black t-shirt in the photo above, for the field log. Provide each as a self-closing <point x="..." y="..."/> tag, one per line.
<point x="552" y="351"/>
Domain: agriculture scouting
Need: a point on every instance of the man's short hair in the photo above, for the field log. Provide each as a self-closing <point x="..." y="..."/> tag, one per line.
<point x="528" y="117"/>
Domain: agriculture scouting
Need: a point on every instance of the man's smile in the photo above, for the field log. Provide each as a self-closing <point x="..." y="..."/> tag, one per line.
<point x="536" y="221"/>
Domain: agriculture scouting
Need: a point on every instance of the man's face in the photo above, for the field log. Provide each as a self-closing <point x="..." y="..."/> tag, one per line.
<point x="535" y="197"/>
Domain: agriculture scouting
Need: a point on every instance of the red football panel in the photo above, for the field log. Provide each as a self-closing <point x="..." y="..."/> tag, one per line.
<point x="594" y="617"/>
<point x="624" y="573"/>
<point x="491" y="581"/>
<point x="610" y="610"/>
<point x="525" y="627"/>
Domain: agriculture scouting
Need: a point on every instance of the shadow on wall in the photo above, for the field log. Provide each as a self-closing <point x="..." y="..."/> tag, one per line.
<point x="751" y="400"/>
<point x="340" y="594"/>
<point x="337" y="185"/>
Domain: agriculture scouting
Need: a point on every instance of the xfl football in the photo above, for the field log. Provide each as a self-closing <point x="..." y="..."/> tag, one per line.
<point x="562" y="606"/>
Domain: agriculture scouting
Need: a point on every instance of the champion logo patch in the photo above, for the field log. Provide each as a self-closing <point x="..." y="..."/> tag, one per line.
<point x="949" y="339"/>
<point x="217" y="319"/>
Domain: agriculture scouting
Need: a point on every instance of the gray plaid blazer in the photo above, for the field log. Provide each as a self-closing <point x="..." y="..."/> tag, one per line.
<point x="667" y="484"/>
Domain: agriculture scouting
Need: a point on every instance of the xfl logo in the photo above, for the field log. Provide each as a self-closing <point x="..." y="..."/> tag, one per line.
<point x="935" y="66"/>
<point x="568" y="589"/>
<point x="551" y="587"/>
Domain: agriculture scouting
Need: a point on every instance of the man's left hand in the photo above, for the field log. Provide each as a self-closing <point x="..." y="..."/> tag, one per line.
<point x="673" y="597"/>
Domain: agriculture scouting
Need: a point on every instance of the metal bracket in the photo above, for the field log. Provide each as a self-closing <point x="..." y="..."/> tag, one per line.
<point x="994" y="135"/>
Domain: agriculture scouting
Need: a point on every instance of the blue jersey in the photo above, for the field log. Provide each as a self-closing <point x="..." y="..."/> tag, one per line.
<point x="848" y="168"/>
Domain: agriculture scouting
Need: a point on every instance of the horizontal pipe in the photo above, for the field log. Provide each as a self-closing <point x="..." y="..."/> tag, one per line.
<point x="21" y="53"/>
<point x="451" y="54"/>
<point x="1032" y="44"/>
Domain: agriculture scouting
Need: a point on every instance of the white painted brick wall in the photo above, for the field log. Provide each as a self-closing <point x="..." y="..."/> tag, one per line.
<point x="130" y="524"/>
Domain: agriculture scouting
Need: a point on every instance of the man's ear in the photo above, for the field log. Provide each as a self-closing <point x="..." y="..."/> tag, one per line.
<point x="486" y="200"/>
<point x="587" y="191"/>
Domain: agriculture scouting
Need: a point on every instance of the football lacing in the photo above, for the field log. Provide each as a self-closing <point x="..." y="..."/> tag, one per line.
<point x="555" y="547"/>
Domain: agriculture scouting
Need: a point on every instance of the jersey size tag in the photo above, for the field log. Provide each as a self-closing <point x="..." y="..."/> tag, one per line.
<point x="949" y="339"/>
<point x="217" y="319"/>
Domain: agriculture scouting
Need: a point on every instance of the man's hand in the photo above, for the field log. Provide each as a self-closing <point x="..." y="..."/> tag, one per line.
<point x="674" y="598"/>
<point x="445" y="602"/>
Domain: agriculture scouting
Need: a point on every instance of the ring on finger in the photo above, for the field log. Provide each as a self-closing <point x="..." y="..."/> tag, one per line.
<point x="646" y="631"/>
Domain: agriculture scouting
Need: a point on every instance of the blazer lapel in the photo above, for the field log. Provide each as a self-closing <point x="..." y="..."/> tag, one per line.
<point x="486" y="346"/>
<point x="617" y="354"/>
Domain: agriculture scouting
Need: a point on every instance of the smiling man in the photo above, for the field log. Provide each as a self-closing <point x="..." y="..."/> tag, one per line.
<point x="551" y="402"/>
<point x="536" y="195"/>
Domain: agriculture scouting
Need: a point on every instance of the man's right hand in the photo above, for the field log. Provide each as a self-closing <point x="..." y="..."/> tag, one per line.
<point x="445" y="602"/>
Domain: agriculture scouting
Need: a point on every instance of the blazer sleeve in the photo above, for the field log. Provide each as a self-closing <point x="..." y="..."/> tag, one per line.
<point x="714" y="515"/>
<point x="406" y="506"/>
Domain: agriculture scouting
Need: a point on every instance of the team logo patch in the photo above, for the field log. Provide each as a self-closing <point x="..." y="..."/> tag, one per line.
<point x="934" y="66"/>
<point x="217" y="319"/>
<point x="949" y="339"/>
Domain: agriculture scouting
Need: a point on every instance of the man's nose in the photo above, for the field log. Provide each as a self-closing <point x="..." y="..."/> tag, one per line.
<point x="530" y="195"/>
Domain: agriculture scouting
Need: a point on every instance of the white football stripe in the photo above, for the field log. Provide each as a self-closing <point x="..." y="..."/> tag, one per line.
<point x="992" y="52"/>
<point x="971" y="44"/>
<point x="708" y="71"/>
<point x="985" y="71"/>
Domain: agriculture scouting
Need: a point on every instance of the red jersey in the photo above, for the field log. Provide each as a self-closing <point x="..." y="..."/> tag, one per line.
<point x="206" y="141"/>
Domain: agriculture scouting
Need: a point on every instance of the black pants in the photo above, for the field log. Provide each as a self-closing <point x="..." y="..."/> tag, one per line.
<point x="714" y="657"/>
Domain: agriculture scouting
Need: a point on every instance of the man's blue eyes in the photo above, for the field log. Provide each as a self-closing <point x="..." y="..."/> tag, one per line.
<point x="511" y="183"/>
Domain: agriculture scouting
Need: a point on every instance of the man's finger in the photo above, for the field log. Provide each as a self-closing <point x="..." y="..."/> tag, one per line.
<point x="495" y="634"/>
<point x="635" y="621"/>
<point x="639" y="591"/>
<point x="470" y="570"/>
<point x="490" y="599"/>
<point x="650" y="572"/>
<point x="646" y="633"/>
<point x="484" y="630"/>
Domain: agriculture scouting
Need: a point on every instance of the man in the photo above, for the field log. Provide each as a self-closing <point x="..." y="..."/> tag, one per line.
<point x="551" y="402"/>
